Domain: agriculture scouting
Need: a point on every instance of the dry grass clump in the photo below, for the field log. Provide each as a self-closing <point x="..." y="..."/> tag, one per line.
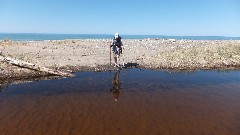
<point x="5" y="42"/>
<point x="208" y="56"/>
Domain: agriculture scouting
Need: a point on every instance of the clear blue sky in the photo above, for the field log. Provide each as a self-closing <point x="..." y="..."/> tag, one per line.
<point x="163" y="17"/>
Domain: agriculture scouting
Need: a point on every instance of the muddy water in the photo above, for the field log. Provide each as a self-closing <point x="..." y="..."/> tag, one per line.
<point x="128" y="102"/>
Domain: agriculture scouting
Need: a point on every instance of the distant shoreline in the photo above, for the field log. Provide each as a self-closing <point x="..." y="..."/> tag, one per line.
<point x="45" y="36"/>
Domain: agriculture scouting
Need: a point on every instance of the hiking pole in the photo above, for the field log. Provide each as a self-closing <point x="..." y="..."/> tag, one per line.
<point x="123" y="58"/>
<point x="110" y="55"/>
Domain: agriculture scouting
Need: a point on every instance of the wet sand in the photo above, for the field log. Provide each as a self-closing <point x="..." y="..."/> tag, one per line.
<point x="151" y="108"/>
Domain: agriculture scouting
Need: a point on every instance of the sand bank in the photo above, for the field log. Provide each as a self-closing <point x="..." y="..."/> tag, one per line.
<point x="94" y="54"/>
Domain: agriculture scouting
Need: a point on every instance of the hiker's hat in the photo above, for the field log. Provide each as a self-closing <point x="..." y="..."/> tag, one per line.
<point x="116" y="35"/>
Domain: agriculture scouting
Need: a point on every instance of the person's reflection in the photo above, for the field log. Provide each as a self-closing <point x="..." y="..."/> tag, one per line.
<point x="116" y="86"/>
<point x="1" y="87"/>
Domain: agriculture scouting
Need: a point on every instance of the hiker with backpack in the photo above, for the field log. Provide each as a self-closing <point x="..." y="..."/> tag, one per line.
<point x="117" y="47"/>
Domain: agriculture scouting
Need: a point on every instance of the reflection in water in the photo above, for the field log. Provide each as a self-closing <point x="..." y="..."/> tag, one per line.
<point x="1" y="87"/>
<point x="153" y="102"/>
<point x="116" y="86"/>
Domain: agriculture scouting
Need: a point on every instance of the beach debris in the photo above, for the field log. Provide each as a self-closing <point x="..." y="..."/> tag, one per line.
<point x="28" y="65"/>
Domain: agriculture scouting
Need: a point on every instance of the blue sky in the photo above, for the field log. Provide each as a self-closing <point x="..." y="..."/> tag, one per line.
<point x="157" y="17"/>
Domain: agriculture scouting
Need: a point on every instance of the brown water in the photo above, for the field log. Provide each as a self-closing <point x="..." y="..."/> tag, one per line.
<point x="132" y="102"/>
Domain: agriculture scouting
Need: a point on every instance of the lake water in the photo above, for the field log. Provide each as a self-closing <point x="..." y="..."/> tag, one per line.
<point x="36" y="36"/>
<point x="126" y="102"/>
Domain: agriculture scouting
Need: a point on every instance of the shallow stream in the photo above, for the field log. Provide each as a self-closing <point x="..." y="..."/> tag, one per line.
<point x="126" y="102"/>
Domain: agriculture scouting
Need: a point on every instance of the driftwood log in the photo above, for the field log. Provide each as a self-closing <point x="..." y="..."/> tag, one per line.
<point x="24" y="64"/>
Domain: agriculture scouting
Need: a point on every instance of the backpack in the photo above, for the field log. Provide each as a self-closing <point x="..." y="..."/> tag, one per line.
<point x="117" y="42"/>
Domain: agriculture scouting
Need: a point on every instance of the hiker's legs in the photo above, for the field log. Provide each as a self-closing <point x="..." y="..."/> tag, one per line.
<point x="116" y="59"/>
<point x="116" y="56"/>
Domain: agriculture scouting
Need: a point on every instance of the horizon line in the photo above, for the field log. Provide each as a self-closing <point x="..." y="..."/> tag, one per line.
<point x="120" y="34"/>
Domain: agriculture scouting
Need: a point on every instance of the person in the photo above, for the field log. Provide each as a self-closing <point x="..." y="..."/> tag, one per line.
<point x="117" y="47"/>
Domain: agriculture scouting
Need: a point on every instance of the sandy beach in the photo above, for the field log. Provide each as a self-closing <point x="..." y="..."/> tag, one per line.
<point x="94" y="55"/>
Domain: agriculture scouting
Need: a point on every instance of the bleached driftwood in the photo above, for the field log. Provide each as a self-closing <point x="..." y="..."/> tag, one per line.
<point x="28" y="65"/>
